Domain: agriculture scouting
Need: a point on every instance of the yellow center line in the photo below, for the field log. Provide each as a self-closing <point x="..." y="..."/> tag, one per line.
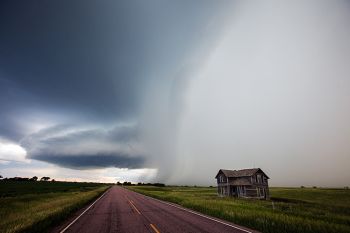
<point x="154" y="228"/>
<point x="134" y="207"/>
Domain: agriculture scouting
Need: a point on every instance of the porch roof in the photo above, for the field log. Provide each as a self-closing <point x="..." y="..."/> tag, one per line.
<point x="238" y="182"/>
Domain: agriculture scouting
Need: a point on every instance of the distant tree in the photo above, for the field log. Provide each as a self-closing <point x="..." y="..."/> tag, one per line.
<point x="127" y="183"/>
<point x="302" y="186"/>
<point x="18" y="179"/>
<point x="139" y="183"/>
<point x="315" y="187"/>
<point x="346" y="187"/>
<point x="159" y="184"/>
<point x="118" y="183"/>
<point x="1" y="177"/>
<point x="53" y="180"/>
<point x="34" y="178"/>
<point x="45" y="178"/>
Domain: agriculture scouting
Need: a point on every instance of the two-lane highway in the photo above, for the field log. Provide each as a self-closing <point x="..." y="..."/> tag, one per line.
<point x="121" y="210"/>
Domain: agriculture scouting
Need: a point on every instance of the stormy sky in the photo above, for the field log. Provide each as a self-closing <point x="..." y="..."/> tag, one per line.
<point x="172" y="91"/>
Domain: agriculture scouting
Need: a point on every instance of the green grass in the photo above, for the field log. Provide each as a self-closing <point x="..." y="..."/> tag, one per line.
<point x="289" y="210"/>
<point x="38" y="206"/>
<point x="19" y="188"/>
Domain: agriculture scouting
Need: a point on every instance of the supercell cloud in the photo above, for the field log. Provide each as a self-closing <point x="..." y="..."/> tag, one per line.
<point x="84" y="84"/>
<point x="180" y="87"/>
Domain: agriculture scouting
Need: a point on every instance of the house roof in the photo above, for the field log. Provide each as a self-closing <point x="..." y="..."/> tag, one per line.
<point x="240" y="173"/>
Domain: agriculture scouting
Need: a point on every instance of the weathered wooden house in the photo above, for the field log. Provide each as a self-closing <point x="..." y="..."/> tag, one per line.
<point x="249" y="183"/>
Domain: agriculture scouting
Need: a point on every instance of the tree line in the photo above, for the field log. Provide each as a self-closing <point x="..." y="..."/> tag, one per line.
<point x="126" y="183"/>
<point x="34" y="178"/>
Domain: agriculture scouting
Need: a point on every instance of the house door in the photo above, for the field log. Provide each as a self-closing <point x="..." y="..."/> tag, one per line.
<point x="264" y="193"/>
<point x="233" y="191"/>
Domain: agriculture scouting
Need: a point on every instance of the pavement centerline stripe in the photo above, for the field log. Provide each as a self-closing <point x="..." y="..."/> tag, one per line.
<point x="154" y="228"/>
<point x="194" y="212"/>
<point x="134" y="207"/>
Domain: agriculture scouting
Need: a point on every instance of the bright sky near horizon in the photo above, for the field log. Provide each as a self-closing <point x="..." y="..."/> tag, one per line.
<point x="172" y="91"/>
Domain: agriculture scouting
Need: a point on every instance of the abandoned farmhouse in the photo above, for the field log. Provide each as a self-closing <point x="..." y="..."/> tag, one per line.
<point x="249" y="183"/>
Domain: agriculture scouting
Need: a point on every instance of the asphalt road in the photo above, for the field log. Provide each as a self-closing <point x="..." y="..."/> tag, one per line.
<point x="121" y="210"/>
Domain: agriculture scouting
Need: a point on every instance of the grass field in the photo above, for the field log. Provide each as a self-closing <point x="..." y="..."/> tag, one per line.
<point x="289" y="210"/>
<point x="37" y="206"/>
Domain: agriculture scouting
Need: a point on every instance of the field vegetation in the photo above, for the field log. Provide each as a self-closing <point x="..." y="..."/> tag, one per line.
<point x="290" y="210"/>
<point x="27" y="206"/>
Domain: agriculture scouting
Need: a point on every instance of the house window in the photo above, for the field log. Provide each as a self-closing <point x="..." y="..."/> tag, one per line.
<point x="259" y="178"/>
<point x="222" y="179"/>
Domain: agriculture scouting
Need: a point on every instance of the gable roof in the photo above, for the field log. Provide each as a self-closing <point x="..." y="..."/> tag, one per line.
<point x="240" y="173"/>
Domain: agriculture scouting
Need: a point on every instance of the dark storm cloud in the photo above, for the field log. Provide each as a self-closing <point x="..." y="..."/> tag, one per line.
<point x="12" y="101"/>
<point x="69" y="134"/>
<point x="73" y="54"/>
<point x="83" y="161"/>
<point x="68" y="146"/>
<point x="92" y="55"/>
<point x="67" y="65"/>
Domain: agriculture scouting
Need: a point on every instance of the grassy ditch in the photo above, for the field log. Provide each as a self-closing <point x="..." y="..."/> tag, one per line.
<point x="37" y="206"/>
<point x="290" y="210"/>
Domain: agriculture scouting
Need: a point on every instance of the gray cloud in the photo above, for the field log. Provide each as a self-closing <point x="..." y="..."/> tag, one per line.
<point x="73" y="64"/>
<point x="82" y="161"/>
<point x="95" y="58"/>
<point x="275" y="95"/>
<point x="80" y="148"/>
